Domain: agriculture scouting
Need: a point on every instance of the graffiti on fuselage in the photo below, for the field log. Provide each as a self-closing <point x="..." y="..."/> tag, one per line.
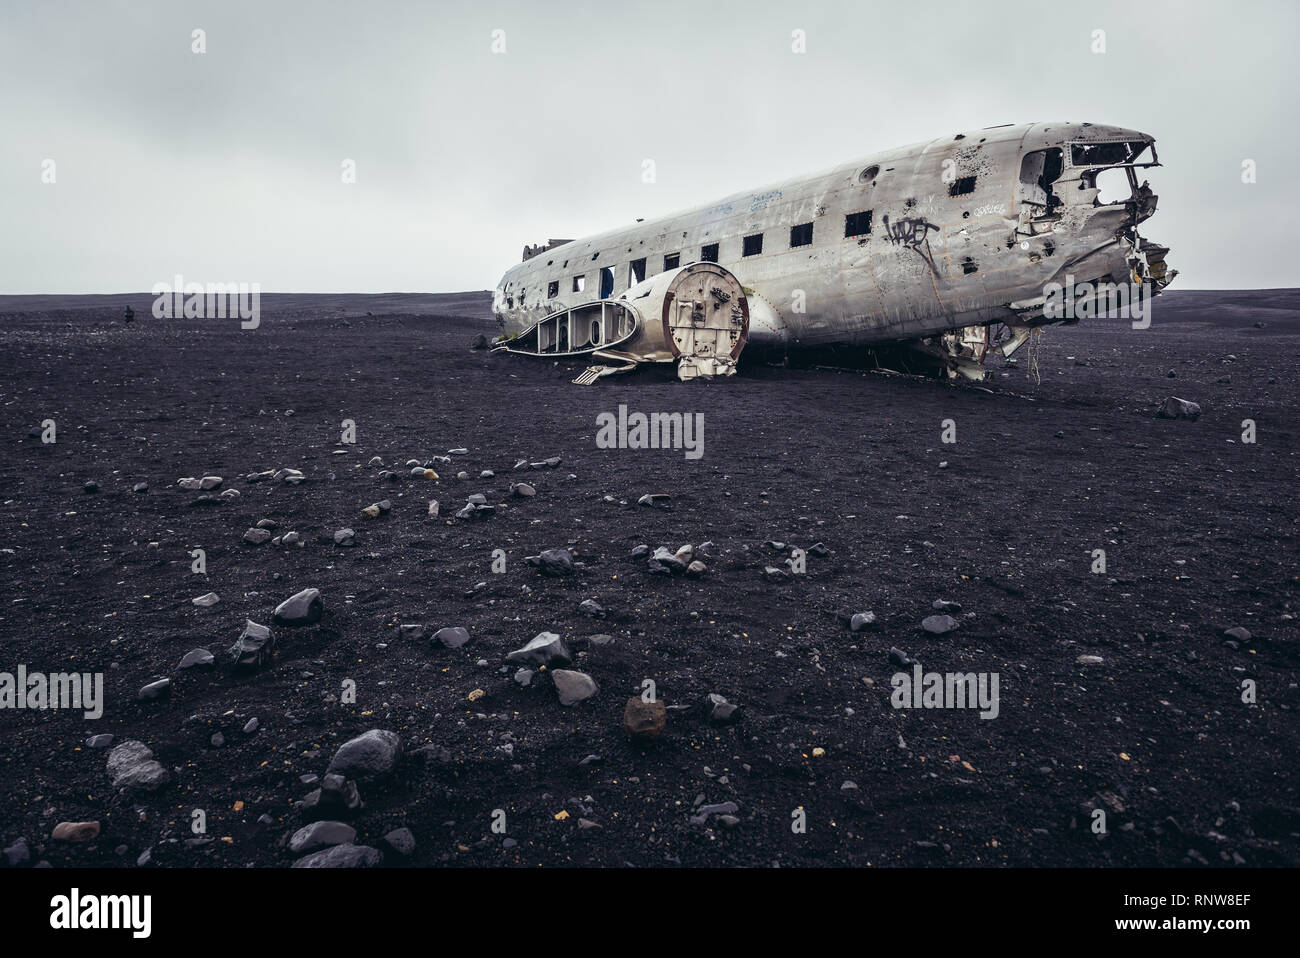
<point x="909" y="231"/>
<point x="913" y="233"/>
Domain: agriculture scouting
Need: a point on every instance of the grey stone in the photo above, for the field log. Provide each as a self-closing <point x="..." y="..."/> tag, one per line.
<point x="371" y="755"/>
<point x="401" y="841"/>
<point x="705" y="812"/>
<point x="862" y="620"/>
<point x="552" y="562"/>
<point x="544" y="648"/>
<point x="1175" y="408"/>
<point x="323" y="834"/>
<point x="155" y="690"/>
<point x="342" y="856"/>
<point x="452" y="638"/>
<point x="254" y="646"/>
<point x="303" y="608"/>
<point x="573" y="687"/>
<point x="199" y="657"/>
<point x="938" y="624"/>
<point x="131" y="767"/>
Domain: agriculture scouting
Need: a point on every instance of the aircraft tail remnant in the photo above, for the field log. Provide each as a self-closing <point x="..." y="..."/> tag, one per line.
<point x="925" y="257"/>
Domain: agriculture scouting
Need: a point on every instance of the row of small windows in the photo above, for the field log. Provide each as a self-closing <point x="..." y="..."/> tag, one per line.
<point x="855" y="224"/>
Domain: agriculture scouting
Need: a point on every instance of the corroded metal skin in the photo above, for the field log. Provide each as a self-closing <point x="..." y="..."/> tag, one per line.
<point x="907" y="245"/>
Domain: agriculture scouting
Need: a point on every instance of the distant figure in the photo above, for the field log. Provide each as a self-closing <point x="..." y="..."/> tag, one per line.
<point x="129" y="315"/>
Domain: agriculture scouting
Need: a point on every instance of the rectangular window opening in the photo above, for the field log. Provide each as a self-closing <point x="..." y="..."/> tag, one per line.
<point x="672" y="261"/>
<point x="709" y="254"/>
<point x="578" y="283"/>
<point x="961" y="186"/>
<point x="857" y="224"/>
<point x="753" y="245"/>
<point x="553" y="289"/>
<point x="635" y="272"/>
<point x="801" y="235"/>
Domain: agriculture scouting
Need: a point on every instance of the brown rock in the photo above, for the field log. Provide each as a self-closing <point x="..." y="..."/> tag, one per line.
<point x="644" y="721"/>
<point x="75" y="831"/>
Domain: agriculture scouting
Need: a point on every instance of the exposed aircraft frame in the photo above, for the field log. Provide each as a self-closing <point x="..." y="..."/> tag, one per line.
<point x="917" y="255"/>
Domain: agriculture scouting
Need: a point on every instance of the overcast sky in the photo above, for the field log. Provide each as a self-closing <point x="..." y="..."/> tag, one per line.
<point x="226" y="166"/>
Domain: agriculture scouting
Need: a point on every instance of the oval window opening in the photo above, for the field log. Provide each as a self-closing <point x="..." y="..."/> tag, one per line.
<point x="869" y="174"/>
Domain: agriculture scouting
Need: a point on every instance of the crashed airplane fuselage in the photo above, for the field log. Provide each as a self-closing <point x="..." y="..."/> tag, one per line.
<point x="938" y="251"/>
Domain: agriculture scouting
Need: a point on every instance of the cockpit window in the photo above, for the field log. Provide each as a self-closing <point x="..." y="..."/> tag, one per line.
<point x="1038" y="171"/>
<point x="1106" y="154"/>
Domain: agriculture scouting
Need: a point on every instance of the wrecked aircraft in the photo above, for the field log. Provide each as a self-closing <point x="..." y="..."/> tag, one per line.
<point x="922" y="258"/>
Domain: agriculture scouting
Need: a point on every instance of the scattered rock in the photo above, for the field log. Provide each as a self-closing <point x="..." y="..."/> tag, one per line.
<point x="345" y="538"/>
<point x="336" y="797"/>
<point x="1238" y="633"/>
<point x="371" y="755"/>
<point x="342" y="856"/>
<point x="302" y="608"/>
<point x="131" y="767"/>
<point x="401" y="841"/>
<point x="197" y="658"/>
<point x="573" y="687"/>
<point x="154" y="691"/>
<point x="254" y="646"/>
<point x="545" y="648"/>
<point x="644" y="721"/>
<point x="664" y="562"/>
<point x="323" y="834"/>
<point x="939" y="624"/>
<point x="1175" y="408"/>
<point x="900" y="658"/>
<point x="206" y="601"/>
<point x="552" y="562"/>
<point x="257" y="536"/>
<point x="17" y="854"/>
<point x="862" y="620"/>
<point x="705" y="812"/>
<point x="75" y="831"/>
<point x="721" y="711"/>
<point x="452" y="638"/>
<point x="592" y="608"/>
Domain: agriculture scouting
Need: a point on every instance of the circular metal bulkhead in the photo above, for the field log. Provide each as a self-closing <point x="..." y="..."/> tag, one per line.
<point x="705" y="313"/>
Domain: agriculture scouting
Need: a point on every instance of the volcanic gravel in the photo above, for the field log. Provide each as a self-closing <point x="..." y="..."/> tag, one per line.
<point x="814" y="767"/>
